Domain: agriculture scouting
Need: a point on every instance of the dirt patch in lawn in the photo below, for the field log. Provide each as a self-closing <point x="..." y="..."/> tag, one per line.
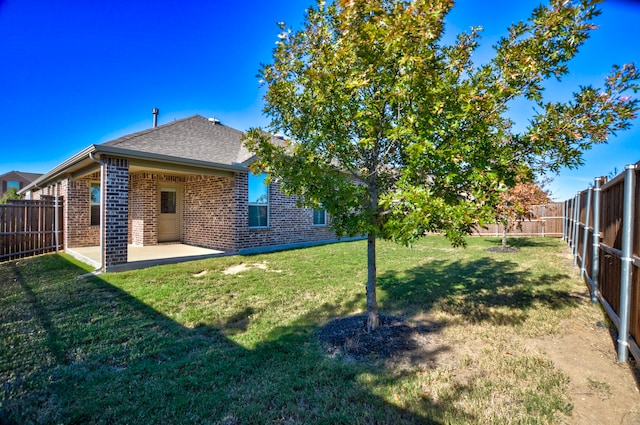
<point x="243" y="267"/>
<point x="505" y="250"/>
<point x="601" y="390"/>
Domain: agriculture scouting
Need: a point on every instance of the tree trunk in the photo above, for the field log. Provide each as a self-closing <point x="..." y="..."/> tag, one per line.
<point x="372" y="301"/>
<point x="504" y="234"/>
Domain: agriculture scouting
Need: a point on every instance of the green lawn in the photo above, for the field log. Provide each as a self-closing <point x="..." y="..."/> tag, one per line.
<point x="190" y="344"/>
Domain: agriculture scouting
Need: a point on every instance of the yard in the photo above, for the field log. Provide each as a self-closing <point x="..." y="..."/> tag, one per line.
<point x="489" y="338"/>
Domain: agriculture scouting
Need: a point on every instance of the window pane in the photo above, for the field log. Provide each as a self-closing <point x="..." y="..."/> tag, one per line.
<point x="94" y="195"/>
<point x="257" y="216"/>
<point x="319" y="217"/>
<point x="15" y="185"/>
<point x="168" y="201"/>
<point x="95" y="215"/>
<point x="258" y="190"/>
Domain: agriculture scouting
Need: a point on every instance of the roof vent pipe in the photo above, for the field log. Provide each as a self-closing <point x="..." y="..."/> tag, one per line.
<point x="155" y="111"/>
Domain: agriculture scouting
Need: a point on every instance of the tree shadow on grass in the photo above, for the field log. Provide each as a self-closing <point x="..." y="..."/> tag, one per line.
<point x="516" y="241"/>
<point x="483" y="290"/>
<point x="84" y="351"/>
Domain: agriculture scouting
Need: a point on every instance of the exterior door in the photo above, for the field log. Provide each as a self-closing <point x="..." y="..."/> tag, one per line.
<point x="169" y="219"/>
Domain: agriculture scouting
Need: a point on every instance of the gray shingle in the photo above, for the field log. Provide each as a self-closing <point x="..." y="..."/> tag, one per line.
<point x="194" y="138"/>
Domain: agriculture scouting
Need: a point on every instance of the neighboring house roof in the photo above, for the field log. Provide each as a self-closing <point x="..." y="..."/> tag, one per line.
<point x="25" y="176"/>
<point x="196" y="143"/>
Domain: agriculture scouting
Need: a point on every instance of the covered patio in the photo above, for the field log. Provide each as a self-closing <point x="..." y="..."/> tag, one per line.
<point x="146" y="256"/>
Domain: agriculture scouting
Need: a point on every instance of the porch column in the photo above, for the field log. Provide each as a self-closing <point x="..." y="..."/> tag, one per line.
<point x="116" y="211"/>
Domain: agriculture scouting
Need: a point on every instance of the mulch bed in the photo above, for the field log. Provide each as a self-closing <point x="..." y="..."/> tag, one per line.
<point x="393" y="339"/>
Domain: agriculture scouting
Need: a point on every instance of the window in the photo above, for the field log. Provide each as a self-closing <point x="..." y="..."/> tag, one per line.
<point x="95" y="204"/>
<point x="258" y="201"/>
<point x="15" y="185"/>
<point x="168" y="201"/>
<point x="319" y="217"/>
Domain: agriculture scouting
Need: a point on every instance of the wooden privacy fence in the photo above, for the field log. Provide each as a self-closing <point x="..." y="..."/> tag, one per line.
<point x="601" y="226"/>
<point x="29" y="228"/>
<point x="546" y="220"/>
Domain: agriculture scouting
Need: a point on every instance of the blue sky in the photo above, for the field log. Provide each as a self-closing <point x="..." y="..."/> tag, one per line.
<point x="74" y="73"/>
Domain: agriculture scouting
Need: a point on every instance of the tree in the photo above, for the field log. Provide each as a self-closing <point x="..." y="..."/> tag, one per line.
<point x="396" y="134"/>
<point x="11" y="193"/>
<point x="517" y="204"/>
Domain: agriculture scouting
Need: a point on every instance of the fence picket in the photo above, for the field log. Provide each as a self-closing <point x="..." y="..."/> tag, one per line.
<point x="29" y="228"/>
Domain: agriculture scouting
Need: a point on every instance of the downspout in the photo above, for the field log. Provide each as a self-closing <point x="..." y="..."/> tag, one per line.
<point x="100" y="268"/>
<point x="56" y="219"/>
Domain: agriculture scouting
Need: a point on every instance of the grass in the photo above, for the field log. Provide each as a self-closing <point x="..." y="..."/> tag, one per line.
<point x="190" y="344"/>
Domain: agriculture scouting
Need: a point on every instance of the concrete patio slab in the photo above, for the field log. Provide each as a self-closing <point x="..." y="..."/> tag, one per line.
<point x="146" y="256"/>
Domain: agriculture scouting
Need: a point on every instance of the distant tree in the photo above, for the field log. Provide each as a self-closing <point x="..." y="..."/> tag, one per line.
<point x="517" y="204"/>
<point x="11" y="193"/>
<point x="397" y="134"/>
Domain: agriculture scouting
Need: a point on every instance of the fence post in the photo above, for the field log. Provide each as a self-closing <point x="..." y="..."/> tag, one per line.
<point x="627" y="262"/>
<point x="542" y="222"/>
<point x="595" y="260"/>
<point x="569" y="220"/>
<point x="585" y="237"/>
<point x="564" y="220"/>
<point x="576" y="224"/>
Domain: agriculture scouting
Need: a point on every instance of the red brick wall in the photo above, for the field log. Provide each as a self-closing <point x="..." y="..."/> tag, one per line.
<point x="215" y="212"/>
<point x="287" y="223"/>
<point x="143" y="209"/>
<point x="208" y="212"/>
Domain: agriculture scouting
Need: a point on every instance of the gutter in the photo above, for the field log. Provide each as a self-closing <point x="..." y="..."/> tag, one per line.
<point x="176" y="160"/>
<point x="58" y="170"/>
<point x="91" y="151"/>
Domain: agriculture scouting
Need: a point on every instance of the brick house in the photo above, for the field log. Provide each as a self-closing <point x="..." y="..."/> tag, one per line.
<point x="16" y="179"/>
<point x="187" y="181"/>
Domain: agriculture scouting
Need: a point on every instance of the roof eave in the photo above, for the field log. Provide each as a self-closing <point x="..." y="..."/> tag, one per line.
<point x="130" y="154"/>
<point x="161" y="158"/>
<point x="59" y="170"/>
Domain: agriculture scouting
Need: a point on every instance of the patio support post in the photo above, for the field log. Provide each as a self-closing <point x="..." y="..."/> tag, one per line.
<point x="595" y="260"/>
<point x="627" y="262"/>
<point x="585" y="236"/>
<point x="115" y="194"/>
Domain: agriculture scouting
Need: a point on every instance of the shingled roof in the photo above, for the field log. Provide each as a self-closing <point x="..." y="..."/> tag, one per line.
<point x="196" y="138"/>
<point x="194" y="143"/>
<point x="26" y="176"/>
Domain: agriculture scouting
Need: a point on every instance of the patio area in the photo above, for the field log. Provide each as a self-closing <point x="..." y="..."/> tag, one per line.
<point x="146" y="256"/>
